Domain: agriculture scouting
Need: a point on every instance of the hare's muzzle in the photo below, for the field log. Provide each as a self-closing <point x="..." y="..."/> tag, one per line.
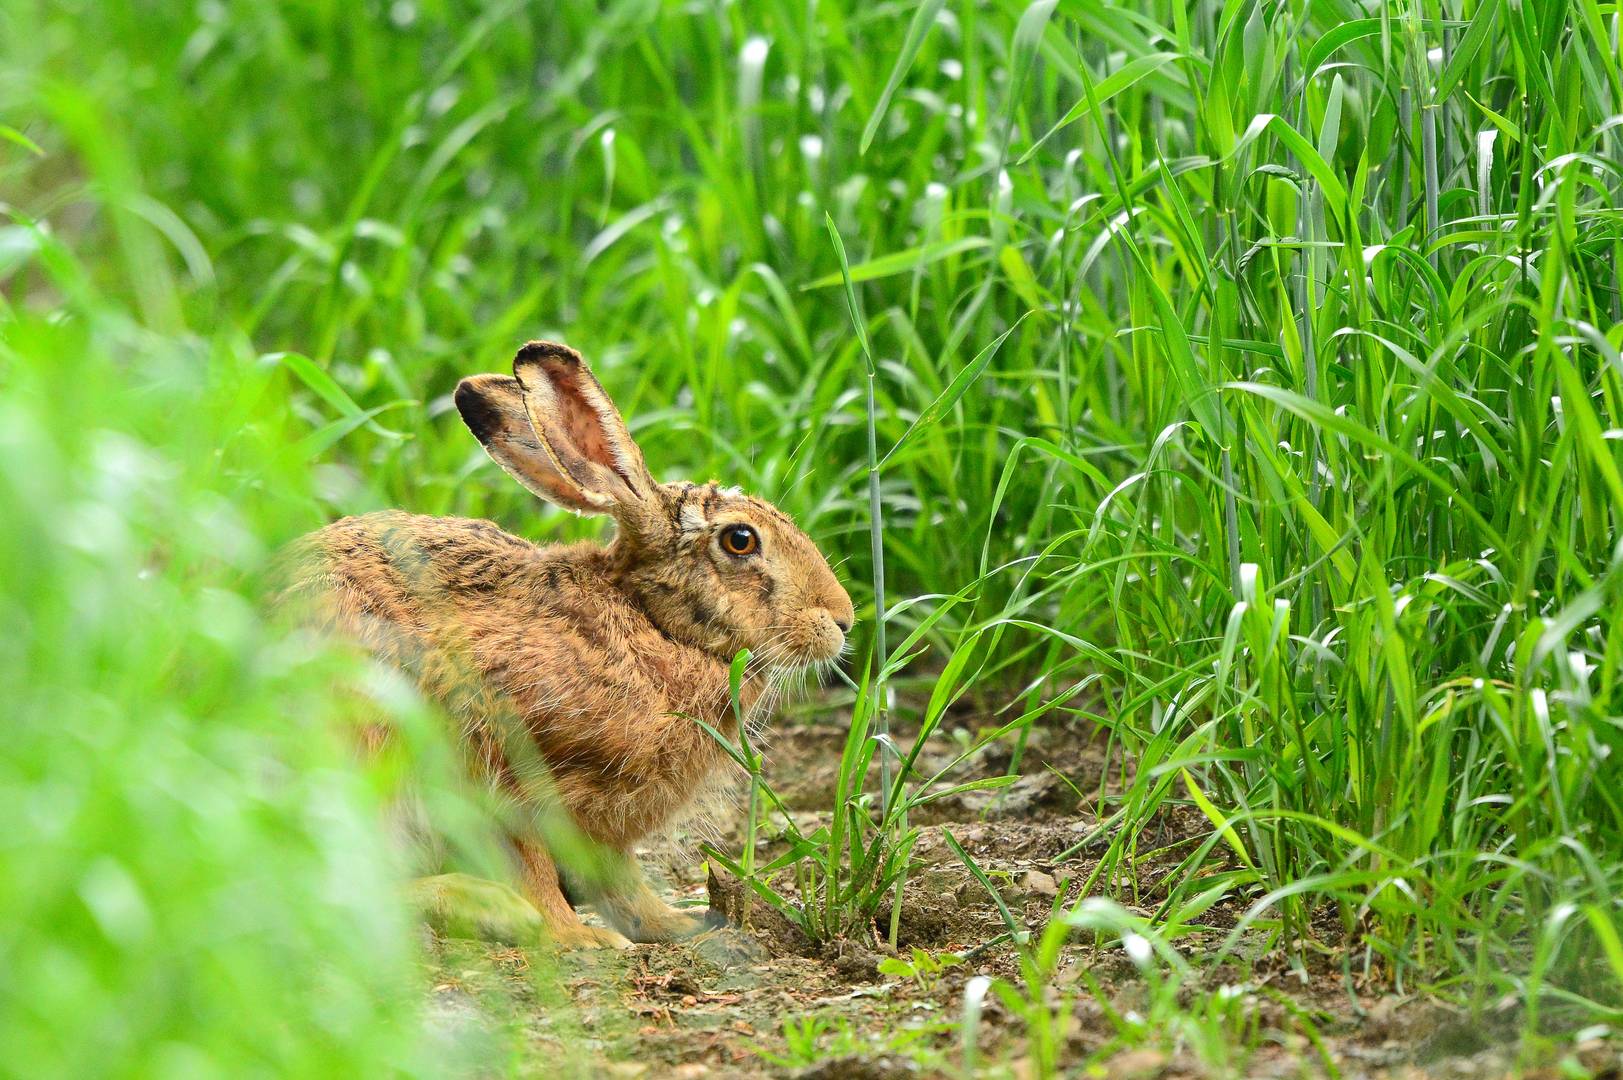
<point x="828" y="624"/>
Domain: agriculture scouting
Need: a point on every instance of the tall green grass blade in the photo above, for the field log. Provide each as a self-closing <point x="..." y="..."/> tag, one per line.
<point x="924" y="20"/>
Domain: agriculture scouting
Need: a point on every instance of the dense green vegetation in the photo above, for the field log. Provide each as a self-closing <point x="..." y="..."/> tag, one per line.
<point x="1298" y="475"/>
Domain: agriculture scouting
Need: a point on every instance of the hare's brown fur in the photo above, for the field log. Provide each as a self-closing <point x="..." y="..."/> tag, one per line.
<point x="493" y="626"/>
<point x="594" y="661"/>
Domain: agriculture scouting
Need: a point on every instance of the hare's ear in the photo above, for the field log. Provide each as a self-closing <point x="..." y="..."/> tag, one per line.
<point x="493" y="408"/>
<point x="580" y="430"/>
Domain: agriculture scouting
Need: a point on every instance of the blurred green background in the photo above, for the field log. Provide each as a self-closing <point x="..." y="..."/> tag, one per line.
<point x="1304" y="458"/>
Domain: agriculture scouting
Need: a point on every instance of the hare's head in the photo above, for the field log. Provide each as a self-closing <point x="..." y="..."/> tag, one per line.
<point x="711" y="566"/>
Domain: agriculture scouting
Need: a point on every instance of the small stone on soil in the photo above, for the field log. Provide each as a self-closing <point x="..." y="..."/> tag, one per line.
<point x="727" y="949"/>
<point x="856" y="1067"/>
<point x="853" y="962"/>
<point x="1037" y="883"/>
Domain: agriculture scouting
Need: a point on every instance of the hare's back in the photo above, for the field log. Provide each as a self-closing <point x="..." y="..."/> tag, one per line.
<point x="387" y="575"/>
<point x="546" y="625"/>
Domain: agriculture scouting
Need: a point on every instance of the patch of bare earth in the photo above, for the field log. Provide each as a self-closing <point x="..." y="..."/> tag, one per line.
<point x="758" y="999"/>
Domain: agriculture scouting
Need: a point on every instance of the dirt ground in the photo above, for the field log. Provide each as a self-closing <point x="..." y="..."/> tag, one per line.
<point x="763" y="1001"/>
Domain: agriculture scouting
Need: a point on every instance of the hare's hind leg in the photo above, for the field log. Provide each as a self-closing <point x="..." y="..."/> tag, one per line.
<point x="464" y="906"/>
<point x="633" y="909"/>
<point x="563" y="926"/>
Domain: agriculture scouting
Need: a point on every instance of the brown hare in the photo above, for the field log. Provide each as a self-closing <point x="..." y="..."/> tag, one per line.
<point x="594" y="661"/>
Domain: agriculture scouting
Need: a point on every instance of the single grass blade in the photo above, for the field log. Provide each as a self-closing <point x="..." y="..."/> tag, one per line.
<point x="1118" y="81"/>
<point x="923" y="20"/>
<point x="956" y="389"/>
<point x="1019" y="934"/>
<point x="324" y="437"/>
<point x="900" y="262"/>
<point x="12" y="135"/>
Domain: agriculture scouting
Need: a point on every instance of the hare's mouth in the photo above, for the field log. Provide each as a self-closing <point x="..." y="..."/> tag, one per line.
<point x="824" y="645"/>
<point x="803" y="643"/>
<point x="782" y="658"/>
<point x="822" y="654"/>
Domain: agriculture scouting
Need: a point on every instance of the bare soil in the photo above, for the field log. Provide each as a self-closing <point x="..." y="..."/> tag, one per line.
<point x="761" y="1000"/>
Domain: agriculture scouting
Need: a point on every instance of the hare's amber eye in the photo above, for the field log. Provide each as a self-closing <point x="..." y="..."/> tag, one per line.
<point x="739" y="540"/>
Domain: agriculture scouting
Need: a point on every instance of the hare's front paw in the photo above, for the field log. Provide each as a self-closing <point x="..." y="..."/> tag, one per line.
<point x="661" y="923"/>
<point x="587" y="937"/>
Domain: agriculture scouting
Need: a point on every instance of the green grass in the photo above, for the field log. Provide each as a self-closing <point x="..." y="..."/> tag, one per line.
<point x="1300" y="475"/>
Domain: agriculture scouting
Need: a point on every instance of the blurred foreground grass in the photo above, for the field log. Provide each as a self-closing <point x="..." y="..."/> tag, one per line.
<point x="191" y="874"/>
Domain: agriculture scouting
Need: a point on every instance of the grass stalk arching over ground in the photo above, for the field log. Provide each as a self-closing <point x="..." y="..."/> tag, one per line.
<point x="1304" y="456"/>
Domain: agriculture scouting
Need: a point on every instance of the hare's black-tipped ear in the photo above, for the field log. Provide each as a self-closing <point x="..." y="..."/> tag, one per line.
<point x="493" y="408"/>
<point x="580" y="430"/>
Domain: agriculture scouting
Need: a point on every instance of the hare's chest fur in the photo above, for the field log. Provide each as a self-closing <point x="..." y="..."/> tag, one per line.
<point x="610" y="702"/>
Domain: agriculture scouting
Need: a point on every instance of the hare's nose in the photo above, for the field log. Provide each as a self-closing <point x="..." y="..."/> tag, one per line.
<point x="843" y="623"/>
